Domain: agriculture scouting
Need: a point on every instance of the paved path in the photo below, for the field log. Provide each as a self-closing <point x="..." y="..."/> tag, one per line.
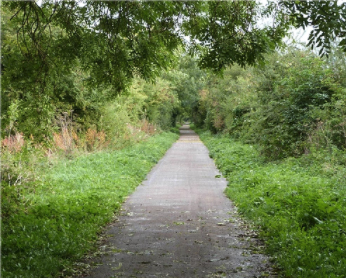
<point x="178" y="223"/>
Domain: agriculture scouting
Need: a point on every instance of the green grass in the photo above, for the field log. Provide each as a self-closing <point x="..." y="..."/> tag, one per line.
<point x="299" y="205"/>
<point x="72" y="204"/>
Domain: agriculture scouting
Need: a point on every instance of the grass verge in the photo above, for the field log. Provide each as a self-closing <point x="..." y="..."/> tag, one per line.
<point x="299" y="205"/>
<point x="68" y="208"/>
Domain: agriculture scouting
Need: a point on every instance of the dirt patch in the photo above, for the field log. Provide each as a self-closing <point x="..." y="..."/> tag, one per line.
<point x="178" y="223"/>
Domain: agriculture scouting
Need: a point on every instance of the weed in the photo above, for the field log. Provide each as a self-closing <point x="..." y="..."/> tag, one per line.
<point x="71" y="203"/>
<point x="13" y="143"/>
<point x="299" y="205"/>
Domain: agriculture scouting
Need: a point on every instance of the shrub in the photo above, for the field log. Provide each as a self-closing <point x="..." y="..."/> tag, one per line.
<point x="290" y="105"/>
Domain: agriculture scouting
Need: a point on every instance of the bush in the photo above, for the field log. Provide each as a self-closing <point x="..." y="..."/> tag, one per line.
<point x="292" y="104"/>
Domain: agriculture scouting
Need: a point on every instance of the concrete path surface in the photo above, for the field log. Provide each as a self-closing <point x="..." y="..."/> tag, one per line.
<point x="178" y="223"/>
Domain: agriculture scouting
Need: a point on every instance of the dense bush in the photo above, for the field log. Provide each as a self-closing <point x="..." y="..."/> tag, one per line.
<point x="224" y="101"/>
<point x="292" y="104"/>
<point x="283" y="118"/>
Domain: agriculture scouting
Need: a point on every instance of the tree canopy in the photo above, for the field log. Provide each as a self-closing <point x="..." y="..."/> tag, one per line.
<point x="77" y="55"/>
<point x="115" y="40"/>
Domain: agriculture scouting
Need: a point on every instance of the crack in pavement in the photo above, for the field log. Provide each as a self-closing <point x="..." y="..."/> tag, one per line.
<point x="179" y="223"/>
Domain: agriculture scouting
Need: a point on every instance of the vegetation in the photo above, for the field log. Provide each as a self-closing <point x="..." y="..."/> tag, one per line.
<point x="83" y="81"/>
<point x="290" y="106"/>
<point x="298" y="204"/>
<point x="279" y="139"/>
<point x="57" y="219"/>
<point x="64" y="57"/>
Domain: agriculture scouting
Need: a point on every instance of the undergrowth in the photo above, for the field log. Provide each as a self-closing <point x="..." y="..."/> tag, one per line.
<point x="299" y="204"/>
<point x="64" y="210"/>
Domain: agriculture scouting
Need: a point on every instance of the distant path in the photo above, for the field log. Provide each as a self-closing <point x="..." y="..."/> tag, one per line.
<point x="178" y="223"/>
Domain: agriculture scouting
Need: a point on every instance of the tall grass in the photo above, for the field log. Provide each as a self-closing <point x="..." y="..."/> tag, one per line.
<point x="299" y="205"/>
<point x="66" y="208"/>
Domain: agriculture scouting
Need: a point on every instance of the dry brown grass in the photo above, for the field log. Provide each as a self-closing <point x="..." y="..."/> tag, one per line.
<point x="95" y="140"/>
<point x="13" y="143"/>
<point x="148" y="127"/>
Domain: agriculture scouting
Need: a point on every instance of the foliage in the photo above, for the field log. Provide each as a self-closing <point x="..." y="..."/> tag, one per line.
<point x="230" y="34"/>
<point x="327" y="18"/>
<point x="162" y="104"/>
<point x="109" y="37"/>
<point x="284" y="117"/>
<point x="298" y="204"/>
<point x="224" y="101"/>
<point x="292" y="104"/>
<point x="77" y="56"/>
<point x="74" y="76"/>
<point x="337" y="62"/>
<point x="186" y="81"/>
<point x="37" y="95"/>
<point x="58" y="220"/>
<point x="38" y="90"/>
<point x="116" y="40"/>
<point x="43" y="88"/>
<point x="121" y="119"/>
<point x="35" y="102"/>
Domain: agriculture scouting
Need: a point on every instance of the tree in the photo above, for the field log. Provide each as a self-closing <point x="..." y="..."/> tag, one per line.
<point x="43" y="76"/>
<point x="106" y="44"/>
<point x="187" y="81"/>
<point x="328" y="19"/>
<point x="116" y="40"/>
